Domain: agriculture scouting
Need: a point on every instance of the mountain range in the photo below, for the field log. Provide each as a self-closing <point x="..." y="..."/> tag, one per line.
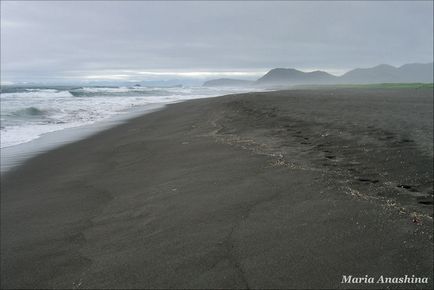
<point x="383" y="73"/>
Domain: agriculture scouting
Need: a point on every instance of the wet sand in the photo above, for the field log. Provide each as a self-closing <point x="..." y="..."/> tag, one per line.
<point x="289" y="189"/>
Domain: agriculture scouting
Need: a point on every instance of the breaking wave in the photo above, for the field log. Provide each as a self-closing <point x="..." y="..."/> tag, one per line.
<point x="27" y="113"/>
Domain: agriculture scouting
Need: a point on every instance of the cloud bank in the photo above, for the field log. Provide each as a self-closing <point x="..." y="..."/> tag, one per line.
<point x="148" y="40"/>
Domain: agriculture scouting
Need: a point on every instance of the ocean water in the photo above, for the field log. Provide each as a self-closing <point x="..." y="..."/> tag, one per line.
<point x="27" y="113"/>
<point x="37" y="119"/>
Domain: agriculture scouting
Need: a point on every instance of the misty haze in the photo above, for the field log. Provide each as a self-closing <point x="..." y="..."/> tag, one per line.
<point x="216" y="144"/>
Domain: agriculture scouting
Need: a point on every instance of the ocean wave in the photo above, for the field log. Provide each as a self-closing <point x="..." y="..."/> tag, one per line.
<point x="29" y="112"/>
<point x="36" y="93"/>
<point x="119" y="92"/>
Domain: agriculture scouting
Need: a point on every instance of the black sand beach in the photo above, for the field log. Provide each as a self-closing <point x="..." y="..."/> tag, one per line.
<point x="289" y="189"/>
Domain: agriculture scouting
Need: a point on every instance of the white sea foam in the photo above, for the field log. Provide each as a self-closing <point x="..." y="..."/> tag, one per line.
<point x="35" y="93"/>
<point x="28" y="113"/>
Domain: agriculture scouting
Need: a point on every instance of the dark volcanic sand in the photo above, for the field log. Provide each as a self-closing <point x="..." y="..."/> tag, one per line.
<point x="288" y="189"/>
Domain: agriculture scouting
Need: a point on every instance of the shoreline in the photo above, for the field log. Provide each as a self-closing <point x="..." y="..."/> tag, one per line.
<point x="15" y="155"/>
<point x="285" y="189"/>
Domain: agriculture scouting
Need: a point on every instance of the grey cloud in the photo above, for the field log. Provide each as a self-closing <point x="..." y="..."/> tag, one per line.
<point x="43" y="39"/>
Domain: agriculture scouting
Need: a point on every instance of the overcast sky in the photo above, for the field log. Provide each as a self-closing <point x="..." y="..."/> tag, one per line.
<point x="146" y="40"/>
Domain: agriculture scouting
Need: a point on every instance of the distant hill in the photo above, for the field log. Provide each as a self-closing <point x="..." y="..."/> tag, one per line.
<point x="227" y="83"/>
<point x="290" y="76"/>
<point x="417" y="72"/>
<point x="384" y="73"/>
